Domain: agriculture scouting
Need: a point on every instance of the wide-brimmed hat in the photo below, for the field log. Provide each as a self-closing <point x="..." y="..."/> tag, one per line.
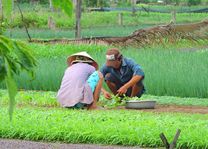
<point x="73" y="59"/>
<point x="112" y="55"/>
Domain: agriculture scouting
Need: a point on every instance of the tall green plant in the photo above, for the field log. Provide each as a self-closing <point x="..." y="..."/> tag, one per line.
<point x="7" y="8"/>
<point x="14" y="57"/>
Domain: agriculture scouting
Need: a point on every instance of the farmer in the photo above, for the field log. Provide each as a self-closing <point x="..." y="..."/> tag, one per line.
<point x="81" y="83"/>
<point x="122" y="75"/>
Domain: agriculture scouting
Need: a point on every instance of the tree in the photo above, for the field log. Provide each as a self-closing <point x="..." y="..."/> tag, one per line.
<point x="65" y="5"/>
<point x="78" y="19"/>
<point x="16" y="56"/>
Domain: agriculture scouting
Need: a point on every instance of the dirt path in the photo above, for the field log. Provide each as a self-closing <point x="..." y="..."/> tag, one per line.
<point x="21" y="144"/>
<point x="176" y="108"/>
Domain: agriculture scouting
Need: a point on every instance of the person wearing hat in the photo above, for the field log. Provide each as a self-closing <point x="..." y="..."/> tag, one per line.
<point x="122" y="75"/>
<point x="81" y="84"/>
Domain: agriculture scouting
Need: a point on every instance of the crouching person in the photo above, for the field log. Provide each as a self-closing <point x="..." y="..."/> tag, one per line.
<point x="81" y="84"/>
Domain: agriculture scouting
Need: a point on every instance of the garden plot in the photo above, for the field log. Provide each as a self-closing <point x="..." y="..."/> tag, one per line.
<point x="39" y="117"/>
<point x="118" y="127"/>
<point x="164" y="103"/>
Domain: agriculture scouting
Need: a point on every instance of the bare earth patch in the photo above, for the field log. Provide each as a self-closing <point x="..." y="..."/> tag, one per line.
<point x="176" y="108"/>
<point x="22" y="144"/>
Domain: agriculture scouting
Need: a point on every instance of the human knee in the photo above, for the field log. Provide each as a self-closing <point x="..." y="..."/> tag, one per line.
<point x="109" y="78"/>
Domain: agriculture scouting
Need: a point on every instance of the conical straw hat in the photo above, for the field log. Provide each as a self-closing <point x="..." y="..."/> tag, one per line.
<point x="72" y="58"/>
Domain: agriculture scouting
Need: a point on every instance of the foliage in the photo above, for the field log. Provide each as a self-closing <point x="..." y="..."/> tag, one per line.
<point x="65" y="5"/>
<point x="48" y="99"/>
<point x="14" y="57"/>
<point x="105" y="127"/>
<point x="194" y="2"/>
<point x="7" y="8"/>
<point x="169" y="68"/>
<point x="99" y="19"/>
<point x="96" y="3"/>
<point x="29" y="1"/>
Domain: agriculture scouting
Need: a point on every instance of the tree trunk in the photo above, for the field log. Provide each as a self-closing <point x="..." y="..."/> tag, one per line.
<point x="120" y="19"/>
<point x="173" y="14"/>
<point x="78" y="19"/>
<point x="51" y="5"/>
<point x="12" y="19"/>
<point x="133" y="2"/>
<point x="1" y="9"/>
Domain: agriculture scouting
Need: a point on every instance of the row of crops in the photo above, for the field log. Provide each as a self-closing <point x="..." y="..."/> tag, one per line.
<point x="19" y="33"/>
<point x="104" y="127"/>
<point x="48" y="99"/>
<point x="172" y="72"/>
<point x="40" y="19"/>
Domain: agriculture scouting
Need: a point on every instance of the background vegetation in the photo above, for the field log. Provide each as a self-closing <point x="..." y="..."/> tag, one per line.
<point x="171" y="69"/>
<point x="107" y="3"/>
<point x="175" y="71"/>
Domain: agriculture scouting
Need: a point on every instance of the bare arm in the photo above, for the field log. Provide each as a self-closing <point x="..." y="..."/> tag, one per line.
<point x="129" y="84"/>
<point x="106" y="94"/>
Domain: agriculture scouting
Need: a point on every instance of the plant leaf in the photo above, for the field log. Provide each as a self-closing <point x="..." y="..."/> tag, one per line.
<point x="64" y="5"/>
<point x="7" y="8"/>
<point x="12" y="89"/>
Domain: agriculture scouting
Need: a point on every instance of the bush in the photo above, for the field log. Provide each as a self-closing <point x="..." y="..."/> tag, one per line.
<point x="39" y="1"/>
<point x="194" y="2"/>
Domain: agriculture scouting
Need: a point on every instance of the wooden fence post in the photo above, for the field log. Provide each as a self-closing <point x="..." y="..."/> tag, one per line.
<point x="78" y="19"/>
<point x="120" y="18"/>
<point x="173" y="15"/>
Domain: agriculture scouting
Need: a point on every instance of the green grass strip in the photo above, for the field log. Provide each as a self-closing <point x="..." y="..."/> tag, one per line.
<point x="48" y="99"/>
<point x="104" y="127"/>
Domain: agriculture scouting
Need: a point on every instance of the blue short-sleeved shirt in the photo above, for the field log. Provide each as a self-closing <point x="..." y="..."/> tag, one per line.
<point x="128" y="69"/>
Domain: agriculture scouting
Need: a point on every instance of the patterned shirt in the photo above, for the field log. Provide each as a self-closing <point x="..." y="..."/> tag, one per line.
<point x="128" y="69"/>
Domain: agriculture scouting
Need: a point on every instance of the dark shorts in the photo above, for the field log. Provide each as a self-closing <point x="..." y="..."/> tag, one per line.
<point x="79" y="106"/>
<point x="119" y="83"/>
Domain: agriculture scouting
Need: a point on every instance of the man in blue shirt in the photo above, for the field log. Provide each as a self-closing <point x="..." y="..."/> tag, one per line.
<point x="122" y="75"/>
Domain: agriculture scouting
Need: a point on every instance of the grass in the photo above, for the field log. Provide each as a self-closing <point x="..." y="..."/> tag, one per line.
<point x="104" y="127"/>
<point x="39" y="19"/>
<point x="168" y="71"/>
<point x="48" y="99"/>
<point x="69" y="33"/>
<point x="169" y="8"/>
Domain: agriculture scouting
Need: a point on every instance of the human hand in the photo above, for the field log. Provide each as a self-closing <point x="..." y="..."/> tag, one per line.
<point x="122" y="90"/>
<point x="107" y="95"/>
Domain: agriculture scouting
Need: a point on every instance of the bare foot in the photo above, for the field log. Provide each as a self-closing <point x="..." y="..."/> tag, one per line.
<point x="95" y="107"/>
<point x="92" y="107"/>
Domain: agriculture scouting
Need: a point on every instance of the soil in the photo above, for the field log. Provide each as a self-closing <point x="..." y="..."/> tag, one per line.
<point x="176" y="108"/>
<point x="21" y="144"/>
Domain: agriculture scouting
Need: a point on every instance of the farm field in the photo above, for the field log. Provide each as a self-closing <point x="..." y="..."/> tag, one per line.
<point x="18" y="33"/>
<point x="172" y="53"/>
<point x="40" y="19"/>
<point x="48" y="99"/>
<point x="178" y="65"/>
<point x="185" y="111"/>
<point x="105" y="127"/>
